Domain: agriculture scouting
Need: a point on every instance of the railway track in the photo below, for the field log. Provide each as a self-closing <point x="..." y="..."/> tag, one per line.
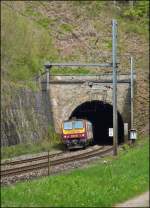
<point x="17" y="162"/>
<point x="50" y="161"/>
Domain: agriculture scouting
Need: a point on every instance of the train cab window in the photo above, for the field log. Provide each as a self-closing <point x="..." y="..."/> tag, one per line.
<point x="78" y="125"/>
<point x="67" y="125"/>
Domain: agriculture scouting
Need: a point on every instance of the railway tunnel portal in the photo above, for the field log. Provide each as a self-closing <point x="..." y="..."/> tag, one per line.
<point x="100" y="114"/>
<point x="89" y="97"/>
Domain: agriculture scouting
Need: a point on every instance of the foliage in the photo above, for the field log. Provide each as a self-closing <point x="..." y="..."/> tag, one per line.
<point x="52" y="136"/>
<point x="133" y="19"/>
<point x="32" y="12"/>
<point x="50" y="142"/>
<point x="139" y="13"/>
<point x="108" y="44"/>
<point x="25" y="45"/>
<point x="44" y="22"/>
<point x="101" y="185"/>
<point x="140" y="9"/>
<point x="66" y="27"/>
<point x="27" y="40"/>
<point x="94" y="8"/>
<point x="70" y="71"/>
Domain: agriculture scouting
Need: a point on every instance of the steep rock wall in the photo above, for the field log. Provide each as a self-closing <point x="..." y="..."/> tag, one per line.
<point x="25" y="115"/>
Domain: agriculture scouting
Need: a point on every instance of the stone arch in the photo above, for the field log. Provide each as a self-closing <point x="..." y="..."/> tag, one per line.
<point x="101" y="116"/>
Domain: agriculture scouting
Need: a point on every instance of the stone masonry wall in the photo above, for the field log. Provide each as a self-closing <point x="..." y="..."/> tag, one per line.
<point x="69" y="92"/>
<point x="27" y="114"/>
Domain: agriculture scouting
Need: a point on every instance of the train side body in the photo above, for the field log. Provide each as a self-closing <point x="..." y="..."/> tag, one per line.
<point x="77" y="133"/>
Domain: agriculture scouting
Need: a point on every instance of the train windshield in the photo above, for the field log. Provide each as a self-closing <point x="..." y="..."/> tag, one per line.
<point x="78" y="124"/>
<point x="68" y="125"/>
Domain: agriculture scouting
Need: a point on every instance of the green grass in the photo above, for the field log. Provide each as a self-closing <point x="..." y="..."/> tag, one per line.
<point x="100" y="185"/>
<point x="108" y="44"/>
<point x="26" y="44"/>
<point x="29" y="148"/>
<point x="32" y="12"/>
<point x="44" y="22"/>
<point x="45" y="144"/>
<point x="70" y="71"/>
<point x="33" y="27"/>
<point x="66" y="27"/>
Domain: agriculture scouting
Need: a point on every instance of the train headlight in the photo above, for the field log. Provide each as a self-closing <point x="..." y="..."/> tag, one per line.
<point x="83" y="135"/>
<point x="65" y="136"/>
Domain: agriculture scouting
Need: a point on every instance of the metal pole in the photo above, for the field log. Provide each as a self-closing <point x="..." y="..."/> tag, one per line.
<point x="114" y="68"/>
<point x="49" y="65"/>
<point x="131" y="62"/>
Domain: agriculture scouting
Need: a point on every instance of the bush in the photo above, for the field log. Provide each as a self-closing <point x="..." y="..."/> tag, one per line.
<point x="141" y="9"/>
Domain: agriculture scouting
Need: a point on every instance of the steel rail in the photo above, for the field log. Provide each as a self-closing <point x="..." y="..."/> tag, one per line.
<point x="49" y="65"/>
<point x="24" y="169"/>
<point x="42" y="164"/>
<point x="17" y="162"/>
<point x="125" y="81"/>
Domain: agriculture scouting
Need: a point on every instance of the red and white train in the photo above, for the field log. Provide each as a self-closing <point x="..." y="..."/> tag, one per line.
<point x="77" y="133"/>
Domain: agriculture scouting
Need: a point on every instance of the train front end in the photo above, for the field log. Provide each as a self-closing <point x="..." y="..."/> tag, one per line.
<point x="74" y="134"/>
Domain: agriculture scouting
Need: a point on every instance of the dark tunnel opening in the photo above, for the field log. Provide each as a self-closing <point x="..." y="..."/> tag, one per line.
<point x="100" y="114"/>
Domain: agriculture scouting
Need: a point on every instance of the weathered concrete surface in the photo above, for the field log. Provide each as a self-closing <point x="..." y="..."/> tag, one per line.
<point x="68" y="92"/>
<point x="140" y="201"/>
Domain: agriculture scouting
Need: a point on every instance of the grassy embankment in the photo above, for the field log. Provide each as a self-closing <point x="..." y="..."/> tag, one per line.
<point x="102" y="184"/>
<point x="50" y="143"/>
<point x="33" y="24"/>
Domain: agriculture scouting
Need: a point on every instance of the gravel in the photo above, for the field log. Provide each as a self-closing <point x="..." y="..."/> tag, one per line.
<point x="53" y="170"/>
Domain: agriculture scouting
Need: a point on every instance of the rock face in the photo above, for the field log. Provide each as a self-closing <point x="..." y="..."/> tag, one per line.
<point x="141" y="103"/>
<point x="25" y="115"/>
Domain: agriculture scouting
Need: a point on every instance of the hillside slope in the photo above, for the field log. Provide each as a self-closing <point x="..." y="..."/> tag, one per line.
<point x="83" y="33"/>
<point x="36" y="31"/>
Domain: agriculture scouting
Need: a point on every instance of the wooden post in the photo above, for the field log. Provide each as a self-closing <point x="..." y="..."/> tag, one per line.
<point x="39" y="80"/>
<point x="47" y="79"/>
<point x="48" y="164"/>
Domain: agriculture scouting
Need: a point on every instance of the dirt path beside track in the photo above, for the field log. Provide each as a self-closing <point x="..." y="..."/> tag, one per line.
<point x="140" y="201"/>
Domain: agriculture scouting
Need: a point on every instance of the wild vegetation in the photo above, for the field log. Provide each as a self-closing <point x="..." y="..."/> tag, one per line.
<point x="51" y="142"/>
<point x="35" y="32"/>
<point x="103" y="184"/>
<point x="25" y="45"/>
